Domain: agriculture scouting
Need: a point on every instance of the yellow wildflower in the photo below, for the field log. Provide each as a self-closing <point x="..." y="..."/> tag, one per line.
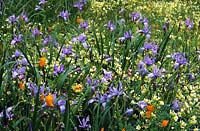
<point x="77" y="88"/>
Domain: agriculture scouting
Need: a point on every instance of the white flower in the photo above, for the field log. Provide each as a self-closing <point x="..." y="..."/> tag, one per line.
<point x="138" y="127"/>
<point x="183" y="124"/>
<point x="193" y="120"/>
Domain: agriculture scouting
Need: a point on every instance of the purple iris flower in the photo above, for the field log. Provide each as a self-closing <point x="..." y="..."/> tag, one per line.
<point x="66" y="51"/>
<point x="142" y="70"/>
<point x="191" y="76"/>
<point x="17" y="54"/>
<point x="89" y="81"/>
<point x="74" y="40"/>
<point x="12" y="19"/>
<point x="107" y="58"/>
<point x="107" y="76"/>
<point x="84" y="123"/>
<point x="148" y="60"/>
<point x="82" y="38"/>
<point x="55" y="43"/>
<point x="106" y="97"/>
<point x="61" y="104"/>
<point x="127" y="35"/>
<point x="47" y="40"/>
<point x="78" y="69"/>
<point x="103" y="99"/>
<point x="113" y="91"/>
<point x="33" y="88"/>
<point x="42" y="2"/>
<point x="83" y="25"/>
<point x="16" y="39"/>
<point x="24" y="61"/>
<point x="24" y="17"/>
<point x="21" y="70"/>
<point x="14" y="74"/>
<point x="58" y="69"/>
<point x="19" y="73"/>
<point x="37" y="8"/>
<point x="135" y="16"/>
<point x="36" y="32"/>
<point x="64" y="15"/>
<point x="111" y="26"/>
<point x="147" y="46"/>
<point x="179" y="58"/>
<point x="44" y="50"/>
<point x="129" y="111"/>
<point x="9" y="115"/>
<point x="79" y="5"/>
<point x="92" y="83"/>
<point x="146" y="30"/>
<point x="156" y="72"/>
<point x="199" y="58"/>
<point x="82" y="1"/>
<point x="150" y="46"/>
<point x="142" y="104"/>
<point x="176" y="106"/>
<point x="188" y="22"/>
<point x="165" y="26"/>
<point x="145" y="21"/>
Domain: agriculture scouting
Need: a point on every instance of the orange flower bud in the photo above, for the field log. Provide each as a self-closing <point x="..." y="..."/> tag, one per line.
<point x="42" y="62"/>
<point x="49" y="100"/>
<point x="148" y="114"/>
<point x="102" y="129"/>
<point x="123" y="129"/>
<point x="21" y="85"/>
<point x="42" y="97"/>
<point x="150" y="108"/>
<point x="79" y="20"/>
<point x="164" y="123"/>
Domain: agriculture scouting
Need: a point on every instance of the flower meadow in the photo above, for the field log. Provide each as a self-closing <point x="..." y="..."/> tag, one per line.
<point x="100" y="65"/>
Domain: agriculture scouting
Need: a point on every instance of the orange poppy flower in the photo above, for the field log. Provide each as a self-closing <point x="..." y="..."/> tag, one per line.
<point x="102" y="129"/>
<point x="164" y="123"/>
<point x="148" y="114"/>
<point x="21" y="85"/>
<point x="123" y="129"/>
<point x="42" y="62"/>
<point x="79" y="20"/>
<point x="150" y="108"/>
<point x="49" y="100"/>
